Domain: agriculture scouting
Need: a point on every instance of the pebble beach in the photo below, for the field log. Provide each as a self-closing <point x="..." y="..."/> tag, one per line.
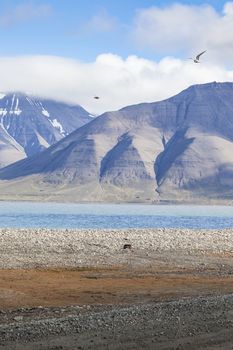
<point x="116" y="289"/>
<point x="21" y="248"/>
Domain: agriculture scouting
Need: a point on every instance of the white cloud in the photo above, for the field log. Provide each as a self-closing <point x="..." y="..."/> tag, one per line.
<point x="180" y="28"/>
<point x="119" y="82"/>
<point x="24" y="12"/>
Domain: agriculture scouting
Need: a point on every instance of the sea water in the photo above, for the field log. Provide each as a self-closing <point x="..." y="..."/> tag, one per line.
<point x="69" y="215"/>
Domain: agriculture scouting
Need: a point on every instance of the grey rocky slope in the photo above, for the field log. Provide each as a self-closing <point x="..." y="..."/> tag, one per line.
<point x="30" y="124"/>
<point x="178" y="148"/>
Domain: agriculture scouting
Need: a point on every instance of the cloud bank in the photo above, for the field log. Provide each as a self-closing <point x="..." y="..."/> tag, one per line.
<point x="186" y="29"/>
<point x="176" y="30"/>
<point x="118" y="82"/>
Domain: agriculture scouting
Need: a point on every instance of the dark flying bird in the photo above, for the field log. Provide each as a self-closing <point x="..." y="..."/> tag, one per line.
<point x="96" y="97"/>
<point x="197" y="58"/>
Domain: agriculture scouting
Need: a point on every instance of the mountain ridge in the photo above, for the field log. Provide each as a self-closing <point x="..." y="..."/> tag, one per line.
<point x="177" y="148"/>
<point x="29" y="124"/>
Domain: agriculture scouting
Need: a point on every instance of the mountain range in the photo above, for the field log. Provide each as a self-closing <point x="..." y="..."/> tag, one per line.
<point x="177" y="149"/>
<point x="29" y="124"/>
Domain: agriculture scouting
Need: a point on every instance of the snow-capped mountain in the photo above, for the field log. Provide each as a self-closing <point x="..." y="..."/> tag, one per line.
<point x="30" y="124"/>
<point x="179" y="148"/>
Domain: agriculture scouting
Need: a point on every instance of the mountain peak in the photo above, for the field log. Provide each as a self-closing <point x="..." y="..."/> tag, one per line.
<point x="177" y="148"/>
<point x="31" y="124"/>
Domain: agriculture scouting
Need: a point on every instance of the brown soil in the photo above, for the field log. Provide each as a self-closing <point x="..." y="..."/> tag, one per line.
<point x="115" y="285"/>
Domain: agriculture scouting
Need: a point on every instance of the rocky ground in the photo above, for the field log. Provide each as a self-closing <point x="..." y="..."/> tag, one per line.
<point x="80" y="289"/>
<point x="29" y="248"/>
<point x="197" y="323"/>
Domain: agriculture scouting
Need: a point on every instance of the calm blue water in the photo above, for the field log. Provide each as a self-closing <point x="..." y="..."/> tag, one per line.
<point x="58" y="215"/>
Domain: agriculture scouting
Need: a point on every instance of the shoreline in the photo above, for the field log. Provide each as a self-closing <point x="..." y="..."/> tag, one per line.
<point x="64" y="200"/>
<point x="25" y="248"/>
<point x="159" y="203"/>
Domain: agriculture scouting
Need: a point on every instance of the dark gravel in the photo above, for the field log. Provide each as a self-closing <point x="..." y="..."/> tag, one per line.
<point x="193" y="323"/>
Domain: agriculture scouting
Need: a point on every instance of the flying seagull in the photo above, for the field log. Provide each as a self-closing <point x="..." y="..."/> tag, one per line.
<point x="197" y="58"/>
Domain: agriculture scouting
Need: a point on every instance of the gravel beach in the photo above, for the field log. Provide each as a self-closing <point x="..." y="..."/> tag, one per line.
<point x="116" y="289"/>
<point x="24" y="248"/>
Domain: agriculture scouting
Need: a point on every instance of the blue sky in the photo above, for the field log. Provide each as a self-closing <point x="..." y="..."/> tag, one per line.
<point x="63" y="27"/>
<point x="127" y="52"/>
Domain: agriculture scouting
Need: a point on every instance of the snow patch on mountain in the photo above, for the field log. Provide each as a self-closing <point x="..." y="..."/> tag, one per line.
<point x="29" y="101"/>
<point x="3" y="111"/>
<point x="16" y="112"/>
<point x="57" y="125"/>
<point x="45" y="113"/>
<point x="34" y="123"/>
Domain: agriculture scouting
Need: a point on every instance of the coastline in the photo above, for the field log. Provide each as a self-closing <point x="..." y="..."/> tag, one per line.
<point x="70" y="200"/>
<point x="43" y="248"/>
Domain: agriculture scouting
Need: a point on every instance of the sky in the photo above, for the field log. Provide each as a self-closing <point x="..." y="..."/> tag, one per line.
<point x="126" y="52"/>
